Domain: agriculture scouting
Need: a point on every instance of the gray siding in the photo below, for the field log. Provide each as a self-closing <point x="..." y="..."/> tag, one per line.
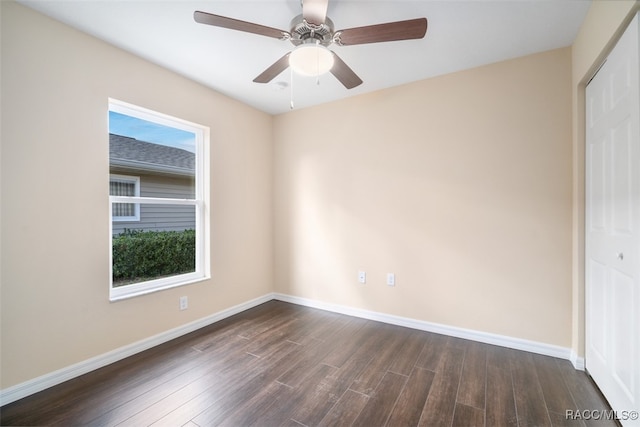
<point x="162" y="217"/>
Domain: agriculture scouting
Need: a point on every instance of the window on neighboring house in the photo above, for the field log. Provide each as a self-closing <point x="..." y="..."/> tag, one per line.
<point x="121" y="185"/>
<point x="158" y="200"/>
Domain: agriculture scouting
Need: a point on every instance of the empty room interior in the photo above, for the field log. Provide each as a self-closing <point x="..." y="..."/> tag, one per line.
<point x="352" y="244"/>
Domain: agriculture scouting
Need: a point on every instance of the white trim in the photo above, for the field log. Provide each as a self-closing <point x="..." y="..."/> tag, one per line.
<point x="155" y="200"/>
<point x="151" y="116"/>
<point x="43" y="382"/>
<point x="155" y="285"/>
<point x="51" y="379"/>
<point x="469" y="334"/>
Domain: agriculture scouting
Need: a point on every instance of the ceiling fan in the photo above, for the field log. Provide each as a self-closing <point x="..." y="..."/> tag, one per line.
<point x="311" y="33"/>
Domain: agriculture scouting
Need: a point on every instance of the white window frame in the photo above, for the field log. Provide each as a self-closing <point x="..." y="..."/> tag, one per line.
<point x="128" y="179"/>
<point x="200" y="202"/>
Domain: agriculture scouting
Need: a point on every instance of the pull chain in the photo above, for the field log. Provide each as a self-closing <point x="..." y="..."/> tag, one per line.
<point x="291" y="88"/>
<point x="317" y="64"/>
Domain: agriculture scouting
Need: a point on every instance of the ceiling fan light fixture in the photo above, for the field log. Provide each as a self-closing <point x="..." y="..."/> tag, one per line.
<point x="311" y="59"/>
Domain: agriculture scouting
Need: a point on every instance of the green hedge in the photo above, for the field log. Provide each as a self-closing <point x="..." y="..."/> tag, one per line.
<point x="143" y="255"/>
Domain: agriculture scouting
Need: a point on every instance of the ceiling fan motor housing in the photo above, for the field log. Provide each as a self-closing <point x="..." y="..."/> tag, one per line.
<point x="302" y="31"/>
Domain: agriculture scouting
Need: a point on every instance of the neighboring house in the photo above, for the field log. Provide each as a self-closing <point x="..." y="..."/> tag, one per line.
<point x="139" y="168"/>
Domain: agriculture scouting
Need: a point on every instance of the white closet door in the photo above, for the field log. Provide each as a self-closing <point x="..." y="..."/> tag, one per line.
<point x="613" y="227"/>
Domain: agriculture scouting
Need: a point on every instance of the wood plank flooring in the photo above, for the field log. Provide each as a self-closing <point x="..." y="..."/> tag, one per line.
<point x="280" y="364"/>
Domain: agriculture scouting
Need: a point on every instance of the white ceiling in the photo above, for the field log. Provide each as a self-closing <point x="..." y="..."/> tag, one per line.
<point x="461" y="34"/>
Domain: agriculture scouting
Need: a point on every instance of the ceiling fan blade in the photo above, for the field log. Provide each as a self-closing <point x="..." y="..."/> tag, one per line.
<point x="270" y="73"/>
<point x="391" y="31"/>
<point x="343" y="73"/>
<point x="236" y="24"/>
<point x="315" y="11"/>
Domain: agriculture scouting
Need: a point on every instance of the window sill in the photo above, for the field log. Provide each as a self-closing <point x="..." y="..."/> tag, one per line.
<point x="119" y="294"/>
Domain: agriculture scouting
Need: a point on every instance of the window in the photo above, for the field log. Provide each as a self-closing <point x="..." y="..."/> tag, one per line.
<point x="158" y="201"/>
<point x="121" y="185"/>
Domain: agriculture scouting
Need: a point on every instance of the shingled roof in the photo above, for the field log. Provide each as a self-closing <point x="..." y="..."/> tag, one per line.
<point x="132" y="154"/>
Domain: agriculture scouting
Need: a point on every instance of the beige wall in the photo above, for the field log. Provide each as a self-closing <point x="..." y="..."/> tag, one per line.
<point x="467" y="186"/>
<point x="602" y="27"/>
<point x="460" y="185"/>
<point x="55" y="308"/>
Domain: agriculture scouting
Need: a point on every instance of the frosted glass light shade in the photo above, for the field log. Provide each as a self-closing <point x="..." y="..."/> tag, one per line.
<point x="311" y="59"/>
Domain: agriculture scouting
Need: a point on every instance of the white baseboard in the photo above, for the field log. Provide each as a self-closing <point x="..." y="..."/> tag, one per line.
<point x="43" y="382"/>
<point x="469" y="334"/>
<point x="577" y="361"/>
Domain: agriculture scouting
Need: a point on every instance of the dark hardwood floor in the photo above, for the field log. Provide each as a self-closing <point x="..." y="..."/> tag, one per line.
<point x="280" y="364"/>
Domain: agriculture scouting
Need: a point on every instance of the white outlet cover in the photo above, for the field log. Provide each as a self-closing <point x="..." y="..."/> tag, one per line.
<point x="362" y="277"/>
<point x="391" y="279"/>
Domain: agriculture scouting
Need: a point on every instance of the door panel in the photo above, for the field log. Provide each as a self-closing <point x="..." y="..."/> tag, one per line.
<point x="596" y="187"/>
<point x="621" y="329"/>
<point x="622" y="177"/>
<point x="598" y="309"/>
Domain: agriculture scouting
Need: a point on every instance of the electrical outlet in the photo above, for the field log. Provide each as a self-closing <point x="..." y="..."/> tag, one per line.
<point x="184" y="303"/>
<point x="362" y="277"/>
<point x="391" y="279"/>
